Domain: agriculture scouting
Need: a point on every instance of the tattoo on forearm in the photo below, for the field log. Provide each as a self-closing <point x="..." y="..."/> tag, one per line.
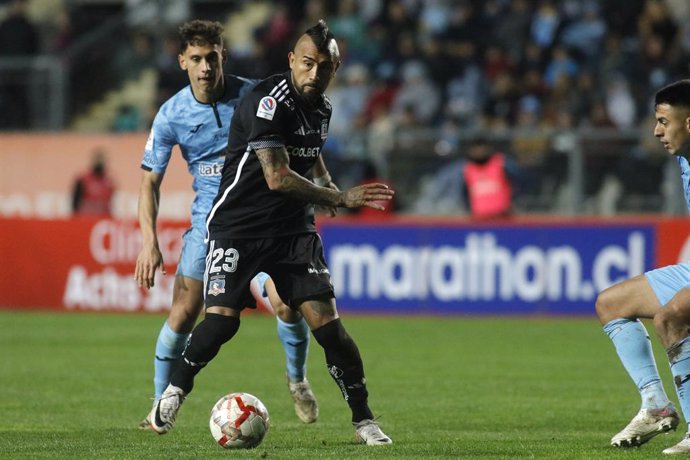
<point x="273" y="161"/>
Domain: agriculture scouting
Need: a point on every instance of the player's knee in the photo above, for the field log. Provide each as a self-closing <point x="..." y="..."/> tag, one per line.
<point x="286" y="314"/>
<point x="332" y="335"/>
<point x="661" y="323"/>
<point x="604" y="307"/>
<point x="210" y="335"/>
<point x="668" y="324"/>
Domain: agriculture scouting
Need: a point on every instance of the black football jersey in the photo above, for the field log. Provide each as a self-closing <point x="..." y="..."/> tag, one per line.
<point x="268" y="116"/>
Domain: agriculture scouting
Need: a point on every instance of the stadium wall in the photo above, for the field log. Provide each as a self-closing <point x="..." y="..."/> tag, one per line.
<point x="399" y="265"/>
<point x="39" y="170"/>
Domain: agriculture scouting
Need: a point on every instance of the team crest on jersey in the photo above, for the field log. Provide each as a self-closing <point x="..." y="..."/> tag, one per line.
<point x="267" y="108"/>
<point x="324" y="129"/>
<point x="216" y="287"/>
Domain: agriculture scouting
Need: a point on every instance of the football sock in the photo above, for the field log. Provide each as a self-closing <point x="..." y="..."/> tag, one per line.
<point x="207" y="338"/>
<point x="345" y="366"/>
<point x="169" y="347"/>
<point x="634" y="349"/>
<point x="295" y="340"/>
<point x="679" y="357"/>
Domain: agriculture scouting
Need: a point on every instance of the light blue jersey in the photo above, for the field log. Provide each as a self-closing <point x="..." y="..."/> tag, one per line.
<point x="667" y="281"/>
<point x="201" y="131"/>
<point x="685" y="177"/>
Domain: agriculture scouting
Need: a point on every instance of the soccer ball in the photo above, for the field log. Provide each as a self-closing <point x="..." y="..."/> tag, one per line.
<point x="239" y="421"/>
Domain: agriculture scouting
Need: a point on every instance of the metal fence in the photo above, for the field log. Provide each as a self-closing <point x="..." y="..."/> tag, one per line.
<point x="563" y="172"/>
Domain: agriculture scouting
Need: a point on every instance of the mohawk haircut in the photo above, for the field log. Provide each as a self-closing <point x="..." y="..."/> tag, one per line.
<point x="198" y="33"/>
<point x="676" y="94"/>
<point x="321" y="35"/>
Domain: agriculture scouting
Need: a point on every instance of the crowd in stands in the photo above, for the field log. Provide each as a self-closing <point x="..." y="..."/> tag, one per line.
<point x="451" y="65"/>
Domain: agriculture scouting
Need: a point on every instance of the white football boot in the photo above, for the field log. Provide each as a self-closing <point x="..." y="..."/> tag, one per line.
<point x="683" y="447"/>
<point x="368" y="432"/>
<point x="306" y="407"/>
<point x="645" y="425"/>
<point x="164" y="412"/>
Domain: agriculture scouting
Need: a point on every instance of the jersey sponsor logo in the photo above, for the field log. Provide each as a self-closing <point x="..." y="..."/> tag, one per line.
<point x="315" y="271"/>
<point x="210" y="169"/>
<point x="303" y="152"/>
<point x="324" y="129"/>
<point x="267" y="108"/>
<point x="216" y="287"/>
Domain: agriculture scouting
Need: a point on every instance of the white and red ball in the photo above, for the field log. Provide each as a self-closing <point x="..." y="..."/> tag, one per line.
<point x="239" y="421"/>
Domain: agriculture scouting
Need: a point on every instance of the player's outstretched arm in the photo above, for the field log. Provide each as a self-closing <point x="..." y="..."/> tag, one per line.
<point x="322" y="178"/>
<point x="150" y="258"/>
<point x="280" y="178"/>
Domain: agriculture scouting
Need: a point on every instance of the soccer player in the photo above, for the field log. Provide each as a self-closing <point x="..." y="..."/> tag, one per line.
<point x="197" y="119"/>
<point x="263" y="221"/>
<point x="662" y="294"/>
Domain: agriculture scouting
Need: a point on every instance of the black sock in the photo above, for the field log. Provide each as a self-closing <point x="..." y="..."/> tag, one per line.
<point x="345" y="366"/>
<point x="205" y="342"/>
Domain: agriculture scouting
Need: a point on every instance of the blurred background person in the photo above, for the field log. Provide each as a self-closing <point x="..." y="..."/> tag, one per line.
<point x="489" y="177"/>
<point x="93" y="191"/>
<point x="18" y="39"/>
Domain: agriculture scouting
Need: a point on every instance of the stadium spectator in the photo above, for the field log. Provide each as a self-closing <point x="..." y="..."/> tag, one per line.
<point x="197" y="119"/>
<point x="545" y="24"/>
<point x="662" y="295"/>
<point x="128" y="119"/>
<point x="92" y="192"/>
<point x="348" y="97"/>
<point x="171" y="78"/>
<point x="135" y="55"/>
<point x="266" y="220"/>
<point x="489" y="179"/>
<point x="585" y="35"/>
<point x="417" y="98"/>
<point x="18" y="39"/>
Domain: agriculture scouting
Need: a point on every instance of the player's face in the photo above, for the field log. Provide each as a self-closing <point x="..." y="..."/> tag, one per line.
<point x="673" y="129"/>
<point x="204" y="66"/>
<point x="312" y="71"/>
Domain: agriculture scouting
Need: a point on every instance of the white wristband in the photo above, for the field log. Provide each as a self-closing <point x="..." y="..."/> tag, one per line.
<point x="323" y="181"/>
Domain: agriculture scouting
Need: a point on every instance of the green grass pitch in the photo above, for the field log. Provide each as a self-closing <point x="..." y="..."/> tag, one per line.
<point x="75" y="385"/>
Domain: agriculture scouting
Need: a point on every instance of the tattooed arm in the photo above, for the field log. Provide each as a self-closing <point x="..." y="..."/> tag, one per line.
<point x="280" y="178"/>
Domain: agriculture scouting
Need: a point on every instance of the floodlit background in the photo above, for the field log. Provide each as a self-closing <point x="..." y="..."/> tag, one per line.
<point x="478" y="335"/>
<point x="562" y="87"/>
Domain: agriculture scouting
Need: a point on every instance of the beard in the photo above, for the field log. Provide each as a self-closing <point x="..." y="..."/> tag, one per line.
<point x="312" y="96"/>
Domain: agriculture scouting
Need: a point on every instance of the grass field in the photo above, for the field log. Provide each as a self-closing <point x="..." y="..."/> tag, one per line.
<point x="75" y="386"/>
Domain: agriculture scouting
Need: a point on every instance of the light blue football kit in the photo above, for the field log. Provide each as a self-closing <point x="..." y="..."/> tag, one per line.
<point x="632" y="341"/>
<point x="201" y="131"/>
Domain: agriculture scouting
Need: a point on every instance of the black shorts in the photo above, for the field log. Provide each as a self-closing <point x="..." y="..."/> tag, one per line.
<point x="295" y="263"/>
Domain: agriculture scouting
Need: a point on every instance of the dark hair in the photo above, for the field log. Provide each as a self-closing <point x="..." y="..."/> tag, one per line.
<point x="675" y="94"/>
<point x="320" y="35"/>
<point x="198" y="32"/>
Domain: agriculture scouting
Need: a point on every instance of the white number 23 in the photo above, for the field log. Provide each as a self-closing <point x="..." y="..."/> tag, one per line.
<point x="229" y="257"/>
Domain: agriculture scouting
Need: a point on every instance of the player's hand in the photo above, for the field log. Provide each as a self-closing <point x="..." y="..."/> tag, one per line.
<point x="148" y="261"/>
<point x="367" y="195"/>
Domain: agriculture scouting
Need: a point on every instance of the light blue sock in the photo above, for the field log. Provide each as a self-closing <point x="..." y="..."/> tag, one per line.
<point x="634" y="349"/>
<point x="295" y="339"/>
<point x="679" y="357"/>
<point x="169" y="348"/>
